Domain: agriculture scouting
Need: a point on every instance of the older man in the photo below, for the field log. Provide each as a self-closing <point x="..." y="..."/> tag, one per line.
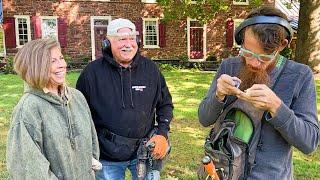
<point x="125" y="91"/>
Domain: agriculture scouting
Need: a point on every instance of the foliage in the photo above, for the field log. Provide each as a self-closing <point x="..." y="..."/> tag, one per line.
<point x="287" y="52"/>
<point x="67" y="58"/>
<point x="86" y="58"/>
<point x="196" y="66"/>
<point x="183" y="58"/>
<point x="211" y="57"/>
<point x="202" y="10"/>
<point x="8" y="68"/>
<point x="255" y="3"/>
<point x="168" y="67"/>
<point x="289" y="5"/>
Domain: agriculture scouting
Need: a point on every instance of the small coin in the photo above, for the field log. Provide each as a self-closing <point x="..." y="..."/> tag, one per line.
<point x="237" y="83"/>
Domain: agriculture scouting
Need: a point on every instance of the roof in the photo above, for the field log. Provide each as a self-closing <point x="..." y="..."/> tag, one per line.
<point x="291" y="9"/>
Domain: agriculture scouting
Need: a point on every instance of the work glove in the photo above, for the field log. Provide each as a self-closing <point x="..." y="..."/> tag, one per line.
<point x="160" y="146"/>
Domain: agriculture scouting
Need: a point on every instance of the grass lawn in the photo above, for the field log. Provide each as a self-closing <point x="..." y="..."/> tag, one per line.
<point x="187" y="136"/>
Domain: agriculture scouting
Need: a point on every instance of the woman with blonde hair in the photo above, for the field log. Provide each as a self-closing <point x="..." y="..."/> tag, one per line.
<point x="52" y="135"/>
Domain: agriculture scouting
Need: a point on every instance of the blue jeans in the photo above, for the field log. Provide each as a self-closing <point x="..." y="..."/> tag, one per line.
<point x="116" y="171"/>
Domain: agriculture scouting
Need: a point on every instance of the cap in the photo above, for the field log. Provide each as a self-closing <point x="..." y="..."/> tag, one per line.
<point x="117" y="24"/>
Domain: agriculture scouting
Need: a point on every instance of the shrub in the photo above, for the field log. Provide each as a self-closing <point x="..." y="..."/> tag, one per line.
<point x="8" y="68"/>
<point x="67" y="58"/>
<point x="168" y="67"/>
<point x="183" y="58"/>
<point x="211" y="58"/>
<point x="287" y="52"/>
<point x="86" y="58"/>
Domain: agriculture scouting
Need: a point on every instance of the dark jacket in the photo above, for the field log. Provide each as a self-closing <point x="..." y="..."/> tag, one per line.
<point x="125" y="100"/>
<point x="294" y="125"/>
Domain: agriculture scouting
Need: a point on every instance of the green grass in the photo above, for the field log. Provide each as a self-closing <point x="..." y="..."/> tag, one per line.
<point x="187" y="136"/>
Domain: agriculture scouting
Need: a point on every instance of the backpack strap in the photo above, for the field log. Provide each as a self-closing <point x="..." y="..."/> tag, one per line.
<point x="253" y="148"/>
<point x="279" y="73"/>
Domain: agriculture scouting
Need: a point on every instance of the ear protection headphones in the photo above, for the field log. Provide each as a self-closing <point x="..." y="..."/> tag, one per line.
<point x="106" y="45"/>
<point x="263" y="20"/>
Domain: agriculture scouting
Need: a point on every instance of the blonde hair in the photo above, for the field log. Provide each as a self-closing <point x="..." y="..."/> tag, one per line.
<point x="33" y="62"/>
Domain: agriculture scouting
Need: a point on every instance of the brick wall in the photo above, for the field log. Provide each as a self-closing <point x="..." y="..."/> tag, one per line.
<point x="77" y="14"/>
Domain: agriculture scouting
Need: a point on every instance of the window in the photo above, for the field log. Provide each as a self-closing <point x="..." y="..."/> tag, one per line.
<point x="23" y="33"/>
<point x="150" y="33"/>
<point x="49" y="27"/>
<point x="149" y="1"/>
<point x="241" y="2"/>
<point x="237" y="22"/>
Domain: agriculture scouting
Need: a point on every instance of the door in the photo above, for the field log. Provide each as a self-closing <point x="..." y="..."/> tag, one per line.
<point x="98" y="34"/>
<point x="196" y="40"/>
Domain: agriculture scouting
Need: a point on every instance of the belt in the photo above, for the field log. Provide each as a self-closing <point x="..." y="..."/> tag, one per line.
<point x="119" y="139"/>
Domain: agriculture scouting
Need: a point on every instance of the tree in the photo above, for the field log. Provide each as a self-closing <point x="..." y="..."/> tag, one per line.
<point x="308" y="42"/>
<point x="202" y="10"/>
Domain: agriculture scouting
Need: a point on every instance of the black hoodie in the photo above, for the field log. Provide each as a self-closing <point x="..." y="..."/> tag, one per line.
<point x="125" y="100"/>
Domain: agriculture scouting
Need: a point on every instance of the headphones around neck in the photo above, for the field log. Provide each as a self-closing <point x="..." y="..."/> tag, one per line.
<point x="263" y="20"/>
<point x="106" y="45"/>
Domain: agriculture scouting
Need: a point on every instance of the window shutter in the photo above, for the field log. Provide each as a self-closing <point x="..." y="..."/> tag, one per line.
<point x="62" y="32"/>
<point x="162" y="34"/>
<point x="36" y="21"/>
<point x="229" y="32"/>
<point x="10" y="32"/>
<point x="139" y="27"/>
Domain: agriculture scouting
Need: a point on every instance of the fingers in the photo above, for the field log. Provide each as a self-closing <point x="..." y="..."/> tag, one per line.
<point x="226" y="80"/>
<point x="158" y="153"/>
<point x="160" y="148"/>
<point x="226" y="85"/>
<point x="261" y="96"/>
<point x="234" y="78"/>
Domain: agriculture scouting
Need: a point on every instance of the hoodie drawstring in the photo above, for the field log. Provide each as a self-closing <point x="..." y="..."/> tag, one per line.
<point x="122" y="98"/>
<point x="130" y="87"/>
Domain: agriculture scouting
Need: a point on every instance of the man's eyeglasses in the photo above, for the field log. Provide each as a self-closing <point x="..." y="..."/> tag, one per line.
<point x="265" y="58"/>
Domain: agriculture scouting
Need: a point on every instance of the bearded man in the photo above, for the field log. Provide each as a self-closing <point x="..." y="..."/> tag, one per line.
<point x="283" y="89"/>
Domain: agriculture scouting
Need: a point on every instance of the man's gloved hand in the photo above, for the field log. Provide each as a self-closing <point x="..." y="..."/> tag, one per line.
<point x="160" y="148"/>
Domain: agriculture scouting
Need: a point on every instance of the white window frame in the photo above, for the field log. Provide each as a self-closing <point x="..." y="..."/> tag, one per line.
<point x="240" y="3"/>
<point x="144" y="32"/>
<point x="149" y="1"/>
<point x="236" y="22"/>
<point x="16" y="17"/>
<point x="49" y="17"/>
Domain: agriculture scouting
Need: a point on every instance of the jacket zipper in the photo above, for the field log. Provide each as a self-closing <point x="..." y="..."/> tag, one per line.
<point x="70" y="131"/>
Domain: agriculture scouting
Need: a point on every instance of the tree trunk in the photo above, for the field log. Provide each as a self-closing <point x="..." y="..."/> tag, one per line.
<point x="308" y="42"/>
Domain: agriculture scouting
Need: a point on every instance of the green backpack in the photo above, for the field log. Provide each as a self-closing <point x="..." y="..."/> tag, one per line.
<point x="232" y="142"/>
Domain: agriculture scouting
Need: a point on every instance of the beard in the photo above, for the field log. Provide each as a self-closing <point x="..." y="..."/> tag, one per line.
<point x="250" y="75"/>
